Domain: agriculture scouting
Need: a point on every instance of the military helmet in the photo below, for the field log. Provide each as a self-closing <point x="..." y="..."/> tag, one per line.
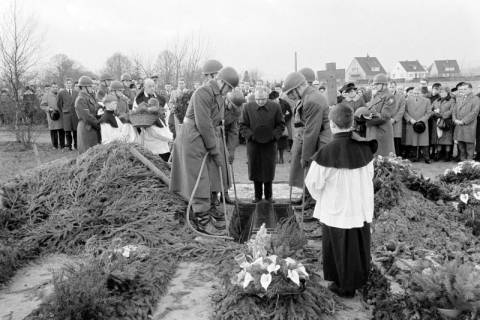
<point x="236" y="97"/>
<point x="85" y="81"/>
<point x="105" y="77"/>
<point x="229" y="75"/>
<point x="293" y="81"/>
<point x="109" y="98"/>
<point x="211" y="67"/>
<point x="309" y="74"/>
<point x="116" y="85"/>
<point x="126" y="77"/>
<point x="380" y="78"/>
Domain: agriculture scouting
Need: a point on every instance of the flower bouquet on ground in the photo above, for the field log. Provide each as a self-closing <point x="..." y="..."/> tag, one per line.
<point x="267" y="275"/>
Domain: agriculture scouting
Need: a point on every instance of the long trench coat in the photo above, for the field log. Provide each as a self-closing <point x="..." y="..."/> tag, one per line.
<point x="445" y="108"/>
<point x="397" y="115"/>
<point x="312" y="111"/>
<point x="199" y="135"/>
<point x="88" y="129"/>
<point x="418" y="109"/>
<point x="261" y="144"/>
<point x="49" y="102"/>
<point x="380" y="128"/>
<point x="66" y="103"/>
<point x="466" y="110"/>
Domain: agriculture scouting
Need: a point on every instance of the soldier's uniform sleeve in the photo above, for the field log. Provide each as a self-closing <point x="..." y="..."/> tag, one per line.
<point x="83" y="112"/>
<point x="202" y="104"/>
<point x="313" y="112"/>
<point x="386" y="113"/>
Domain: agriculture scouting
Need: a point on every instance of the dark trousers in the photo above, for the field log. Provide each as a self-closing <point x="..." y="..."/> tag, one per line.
<point x="398" y="146"/>
<point x="465" y="150"/>
<point x="71" y="136"/>
<point x="267" y="189"/>
<point x="58" y="138"/>
<point x="416" y="152"/>
<point x="477" y="138"/>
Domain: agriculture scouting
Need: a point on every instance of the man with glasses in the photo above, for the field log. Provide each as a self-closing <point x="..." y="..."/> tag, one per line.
<point x="311" y="127"/>
<point x="262" y="124"/>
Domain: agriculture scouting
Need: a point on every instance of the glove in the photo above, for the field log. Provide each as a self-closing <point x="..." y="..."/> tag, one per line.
<point x="230" y="158"/>
<point x="305" y="163"/>
<point x="217" y="159"/>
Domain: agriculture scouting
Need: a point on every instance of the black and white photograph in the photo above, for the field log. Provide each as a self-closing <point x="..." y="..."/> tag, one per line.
<point x="231" y="160"/>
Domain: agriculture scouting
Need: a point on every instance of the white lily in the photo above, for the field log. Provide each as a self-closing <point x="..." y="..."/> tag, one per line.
<point x="293" y="275"/>
<point x="273" y="268"/>
<point x="464" y="198"/>
<point x="290" y="261"/>
<point x="248" y="278"/>
<point x="265" y="280"/>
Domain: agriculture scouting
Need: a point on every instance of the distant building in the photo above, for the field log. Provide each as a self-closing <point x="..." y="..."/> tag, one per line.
<point x="408" y="70"/>
<point x="363" y="68"/>
<point x="444" y="69"/>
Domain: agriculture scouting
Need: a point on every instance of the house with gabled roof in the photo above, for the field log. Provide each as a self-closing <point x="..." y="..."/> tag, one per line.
<point x="444" y="69"/>
<point x="363" y="68"/>
<point x="408" y="70"/>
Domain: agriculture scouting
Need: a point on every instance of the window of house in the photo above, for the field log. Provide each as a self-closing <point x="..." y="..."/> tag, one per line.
<point x="448" y="69"/>
<point x="375" y="69"/>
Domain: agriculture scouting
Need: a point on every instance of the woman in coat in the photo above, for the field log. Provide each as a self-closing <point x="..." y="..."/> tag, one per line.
<point x="417" y="109"/>
<point x="49" y="105"/>
<point x="88" y="130"/>
<point x="443" y="133"/>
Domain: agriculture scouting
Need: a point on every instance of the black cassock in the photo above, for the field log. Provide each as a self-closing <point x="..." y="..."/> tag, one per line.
<point x="262" y="126"/>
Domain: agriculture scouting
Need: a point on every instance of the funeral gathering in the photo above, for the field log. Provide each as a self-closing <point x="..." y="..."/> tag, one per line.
<point x="212" y="180"/>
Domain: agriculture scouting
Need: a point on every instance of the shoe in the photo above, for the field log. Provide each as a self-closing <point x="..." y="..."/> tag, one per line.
<point x="428" y="161"/>
<point x="340" y="292"/>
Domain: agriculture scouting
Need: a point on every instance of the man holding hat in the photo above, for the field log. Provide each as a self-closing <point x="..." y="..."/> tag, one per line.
<point x="340" y="179"/>
<point x="312" y="128"/>
<point x="197" y="140"/>
<point x="262" y="125"/>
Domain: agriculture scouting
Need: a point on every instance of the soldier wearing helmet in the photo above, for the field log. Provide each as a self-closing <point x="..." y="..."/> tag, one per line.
<point x="199" y="137"/>
<point x="211" y="68"/>
<point x="123" y="102"/>
<point x="86" y="107"/>
<point x="378" y="120"/>
<point x="311" y="126"/>
<point x="105" y="81"/>
<point x="309" y="75"/>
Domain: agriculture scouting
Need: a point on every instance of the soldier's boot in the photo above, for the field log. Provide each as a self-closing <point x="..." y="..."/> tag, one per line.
<point x="206" y="224"/>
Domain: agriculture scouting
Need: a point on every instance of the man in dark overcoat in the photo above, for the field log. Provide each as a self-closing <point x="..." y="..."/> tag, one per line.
<point x="262" y="124"/>
<point x="66" y="104"/>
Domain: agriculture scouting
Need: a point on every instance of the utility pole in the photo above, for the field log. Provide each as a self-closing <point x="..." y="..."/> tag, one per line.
<point x="295" y="61"/>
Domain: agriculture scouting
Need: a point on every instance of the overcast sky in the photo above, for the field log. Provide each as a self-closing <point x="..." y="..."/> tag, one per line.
<point x="264" y="34"/>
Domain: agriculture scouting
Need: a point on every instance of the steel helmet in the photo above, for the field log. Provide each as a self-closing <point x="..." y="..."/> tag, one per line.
<point x="105" y="77"/>
<point x="211" y="67"/>
<point x="126" y="77"/>
<point x="236" y="97"/>
<point x="116" y="85"/>
<point x="229" y="75"/>
<point x="85" y="81"/>
<point x="109" y="98"/>
<point x="309" y="74"/>
<point x="293" y="81"/>
<point x="380" y="78"/>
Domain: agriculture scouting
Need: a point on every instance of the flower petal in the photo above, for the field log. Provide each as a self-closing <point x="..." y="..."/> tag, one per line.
<point x="265" y="280"/>
<point x="464" y="198"/>
<point x="248" y="278"/>
<point x="293" y="275"/>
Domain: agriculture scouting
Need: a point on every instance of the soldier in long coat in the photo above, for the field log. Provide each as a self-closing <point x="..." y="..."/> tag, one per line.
<point x="66" y="103"/>
<point x="262" y="124"/>
<point x="418" y="108"/>
<point x="198" y="139"/>
<point x="397" y="117"/>
<point x="381" y="108"/>
<point x="465" y="118"/>
<point x="86" y="108"/>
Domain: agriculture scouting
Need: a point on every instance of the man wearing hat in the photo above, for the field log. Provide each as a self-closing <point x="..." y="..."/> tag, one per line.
<point x="350" y="97"/>
<point x="378" y="116"/>
<point x="198" y="139"/>
<point x="262" y="125"/>
<point x="340" y="179"/>
<point x="66" y="104"/>
<point x="417" y="112"/>
<point x="86" y="109"/>
<point x="312" y="128"/>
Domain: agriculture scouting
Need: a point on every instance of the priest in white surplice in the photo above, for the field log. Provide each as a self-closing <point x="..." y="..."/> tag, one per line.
<point x="340" y="179"/>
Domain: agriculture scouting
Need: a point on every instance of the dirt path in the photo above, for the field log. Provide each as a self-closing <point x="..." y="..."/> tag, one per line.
<point x="188" y="295"/>
<point x="29" y="287"/>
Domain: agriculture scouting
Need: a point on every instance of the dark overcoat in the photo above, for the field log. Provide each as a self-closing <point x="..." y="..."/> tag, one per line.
<point x="66" y="103"/>
<point x="262" y="126"/>
<point x="466" y="110"/>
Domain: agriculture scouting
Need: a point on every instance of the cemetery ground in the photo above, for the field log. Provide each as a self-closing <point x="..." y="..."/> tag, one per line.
<point x="192" y="283"/>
